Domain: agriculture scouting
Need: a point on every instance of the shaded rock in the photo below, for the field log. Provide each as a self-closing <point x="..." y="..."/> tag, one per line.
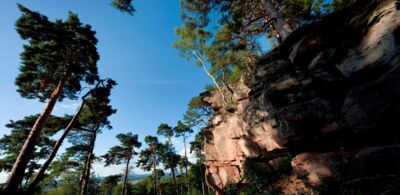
<point x="333" y="85"/>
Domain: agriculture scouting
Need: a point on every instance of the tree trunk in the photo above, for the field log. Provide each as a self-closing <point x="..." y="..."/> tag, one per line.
<point x="39" y="176"/>
<point x="17" y="173"/>
<point x="82" y="176"/>
<point x="154" y="170"/>
<point x="125" y="184"/>
<point x="209" y="75"/>
<point x="174" y="178"/>
<point x="281" y="26"/>
<point x="186" y="159"/>
<point x="86" y="176"/>
<point x="172" y="168"/>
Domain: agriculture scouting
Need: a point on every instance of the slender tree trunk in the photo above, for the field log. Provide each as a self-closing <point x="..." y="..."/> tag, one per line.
<point x="39" y="176"/>
<point x="17" y="173"/>
<point x="181" y="181"/>
<point x="280" y="25"/>
<point x="86" y="177"/>
<point x="174" y="178"/>
<point x="173" y="175"/>
<point x="186" y="159"/>
<point x="171" y="167"/>
<point x="154" y="170"/>
<point x="82" y="176"/>
<point x="200" y="59"/>
<point x="125" y="184"/>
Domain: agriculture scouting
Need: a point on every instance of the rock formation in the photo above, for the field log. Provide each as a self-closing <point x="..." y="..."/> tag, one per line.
<point x="328" y="97"/>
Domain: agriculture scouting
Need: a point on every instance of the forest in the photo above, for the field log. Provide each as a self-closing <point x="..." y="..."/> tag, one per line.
<point x="232" y="42"/>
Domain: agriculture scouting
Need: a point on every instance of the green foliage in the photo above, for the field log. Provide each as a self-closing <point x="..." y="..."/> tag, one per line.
<point x="165" y="130"/>
<point x="339" y="4"/>
<point x="256" y="176"/>
<point x="231" y="188"/>
<point x="143" y="187"/>
<point x="168" y="156"/>
<point x="226" y="33"/>
<point x="197" y="146"/>
<point x="181" y="129"/>
<point x="124" y="6"/>
<point x="148" y="156"/>
<point x="109" y="183"/>
<point x="68" y="185"/>
<point x="196" y="175"/>
<point x="97" y="108"/>
<point x="55" y="50"/>
<point x="283" y="165"/>
<point x="191" y="38"/>
<point x="117" y="189"/>
<point x="125" y="151"/>
<point x="198" y="113"/>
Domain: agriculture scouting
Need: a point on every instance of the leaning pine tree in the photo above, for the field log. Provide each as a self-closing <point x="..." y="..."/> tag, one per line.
<point x="102" y="85"/>
<point x="58" y="56"/>
<point x="93" y="119"/>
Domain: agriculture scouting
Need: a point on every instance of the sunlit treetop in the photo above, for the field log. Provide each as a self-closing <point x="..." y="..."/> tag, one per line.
<point x="55" y="50"/>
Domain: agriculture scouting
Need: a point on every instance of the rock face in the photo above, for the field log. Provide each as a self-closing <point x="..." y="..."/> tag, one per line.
<point x="332" y="89"/>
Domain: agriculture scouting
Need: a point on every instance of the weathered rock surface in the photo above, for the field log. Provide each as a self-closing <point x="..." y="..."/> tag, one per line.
<point x="332" y="89"/>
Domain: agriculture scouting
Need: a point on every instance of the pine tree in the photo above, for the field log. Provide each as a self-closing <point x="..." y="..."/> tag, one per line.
<point x="170" y="158"/>
<point x="109" y="183"/>
<point x="58" y="56"/>
<point x="94" y="118"/>
<point x="124" y="152"/>
<point x="148" y="158"/>
<point x="198" y="114"/>
<point x="182" y="130"/>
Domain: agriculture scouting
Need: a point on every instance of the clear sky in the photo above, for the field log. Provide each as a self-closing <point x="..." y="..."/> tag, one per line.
<point x="154" y="84"/>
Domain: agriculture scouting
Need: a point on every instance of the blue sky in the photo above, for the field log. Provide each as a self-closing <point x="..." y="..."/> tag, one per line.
<point x="154" y="84"/>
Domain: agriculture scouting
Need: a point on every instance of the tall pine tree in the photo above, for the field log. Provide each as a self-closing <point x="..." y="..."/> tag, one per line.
<point x="58" y="56"/>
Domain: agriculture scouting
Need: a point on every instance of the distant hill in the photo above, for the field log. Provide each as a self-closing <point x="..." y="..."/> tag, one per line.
<point x="134" y="178"/>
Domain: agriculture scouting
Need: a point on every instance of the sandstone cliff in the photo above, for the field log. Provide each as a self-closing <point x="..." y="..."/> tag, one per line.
<point x="328" y="98"/>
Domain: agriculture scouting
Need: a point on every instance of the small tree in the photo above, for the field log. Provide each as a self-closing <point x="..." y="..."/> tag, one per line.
<point x="124" y="152"/>
<point x="167" y="131"/>
<point x="148" y="158"/>
<point x="109" y="183"/>
<point x="182" y="130"/>
<point x="58" y="56"/>
<point x="170" y="160"/>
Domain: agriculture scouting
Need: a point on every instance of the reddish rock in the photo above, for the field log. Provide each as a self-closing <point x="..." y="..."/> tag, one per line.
<point x="315" y="166"/>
